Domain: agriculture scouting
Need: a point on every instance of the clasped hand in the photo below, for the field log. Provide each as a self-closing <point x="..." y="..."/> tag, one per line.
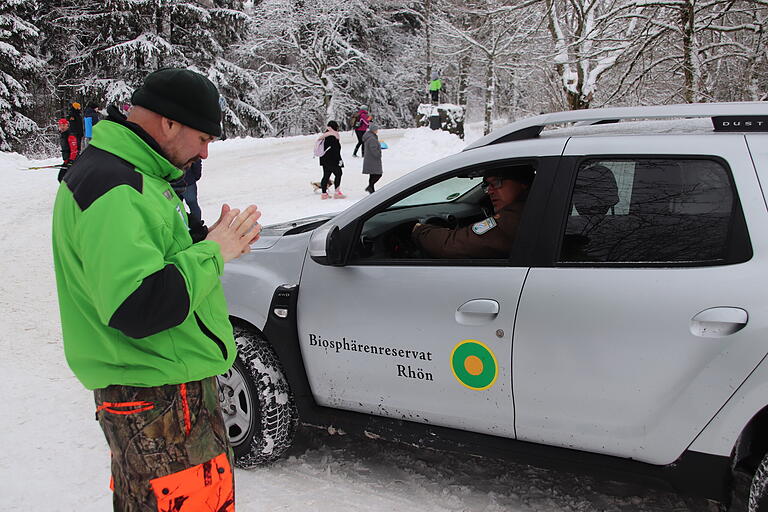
<point x="235" y="231"/>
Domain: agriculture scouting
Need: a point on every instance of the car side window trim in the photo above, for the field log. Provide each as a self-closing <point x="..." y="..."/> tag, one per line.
<point x="736" y="248"/>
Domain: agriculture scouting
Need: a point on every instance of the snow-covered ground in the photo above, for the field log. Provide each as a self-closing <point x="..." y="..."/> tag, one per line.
<point x="54" y="454"/>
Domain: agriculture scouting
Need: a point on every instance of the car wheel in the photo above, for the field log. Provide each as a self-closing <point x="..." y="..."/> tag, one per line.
<point x="256" y="402"/>
<point x="758" y="491"/>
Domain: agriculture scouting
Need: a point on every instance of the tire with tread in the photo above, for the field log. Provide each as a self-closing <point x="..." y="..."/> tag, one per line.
<point x="257" y="404"/>
<point x="758" y="491"/>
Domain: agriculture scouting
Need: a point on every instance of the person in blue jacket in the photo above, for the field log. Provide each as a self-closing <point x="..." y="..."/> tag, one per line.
<point x="91" y="116"/>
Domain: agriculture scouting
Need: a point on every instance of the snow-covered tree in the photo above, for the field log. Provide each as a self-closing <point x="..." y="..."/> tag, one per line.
<point x="395" y="82"/>
<point x="318" y="62"/>
<point x="288" y="66"/>
<point x="20" y="70"/>
<point x="494" y="36"/>
<point x="694" y="51"/>
<point x="307" y="56"/>
<point x="590" y="37"/>
<point x="712" y="46"/>
<point x="111" y="46"/>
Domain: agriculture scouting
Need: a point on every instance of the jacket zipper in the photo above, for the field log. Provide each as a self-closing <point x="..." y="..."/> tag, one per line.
<point x="212" y="336"/>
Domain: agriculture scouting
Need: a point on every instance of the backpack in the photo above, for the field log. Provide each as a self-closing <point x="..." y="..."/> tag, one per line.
<point x="320" y="147"/>
<point x="354" y="121"/>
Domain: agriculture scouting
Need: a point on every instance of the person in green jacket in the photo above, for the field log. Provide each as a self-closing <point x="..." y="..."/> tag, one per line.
<point x="435" y="86"/>
<point x="143" y="313"/>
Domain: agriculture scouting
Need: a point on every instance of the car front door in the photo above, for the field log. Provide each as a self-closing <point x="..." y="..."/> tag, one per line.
<point x="649" y="317"/>
<point x="427" y="341"/>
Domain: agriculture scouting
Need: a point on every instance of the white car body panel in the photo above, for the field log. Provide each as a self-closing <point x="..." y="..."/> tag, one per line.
<point x="250" y="280"/>
<point x="722" y="433"/>
<point x="420" y="305"/>
<point x="758" y="150"/>
<point x="724" y="430"/>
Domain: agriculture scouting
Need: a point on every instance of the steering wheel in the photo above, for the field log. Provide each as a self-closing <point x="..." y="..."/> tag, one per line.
<point x="448" y="221"/>
<point x="399" y="243"/>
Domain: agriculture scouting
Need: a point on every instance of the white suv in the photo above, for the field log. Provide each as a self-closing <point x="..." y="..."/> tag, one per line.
<point x="626" y="330"/>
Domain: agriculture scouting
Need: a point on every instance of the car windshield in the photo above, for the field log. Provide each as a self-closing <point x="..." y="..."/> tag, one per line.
<point x="443" y="192"/>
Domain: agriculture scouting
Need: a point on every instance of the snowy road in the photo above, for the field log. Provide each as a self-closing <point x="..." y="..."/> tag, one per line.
<point x="55" y="457"/>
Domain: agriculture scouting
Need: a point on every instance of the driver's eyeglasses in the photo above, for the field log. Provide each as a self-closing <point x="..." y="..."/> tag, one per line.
<point x="494" y="183"/>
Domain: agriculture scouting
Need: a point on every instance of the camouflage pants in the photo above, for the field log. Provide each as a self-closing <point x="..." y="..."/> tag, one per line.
<point x="170" y="450"/>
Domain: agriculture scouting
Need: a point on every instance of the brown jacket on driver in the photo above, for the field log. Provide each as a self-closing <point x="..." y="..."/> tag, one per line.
<point x="489" y="238"/>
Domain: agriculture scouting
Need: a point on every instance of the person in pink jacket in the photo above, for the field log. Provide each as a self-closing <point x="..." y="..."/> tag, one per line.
<point x="360" y="122"/>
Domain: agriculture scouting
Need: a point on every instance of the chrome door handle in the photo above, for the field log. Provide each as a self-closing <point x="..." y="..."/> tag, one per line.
<point x="718" y="322"/>
<point x="477" y="312"/>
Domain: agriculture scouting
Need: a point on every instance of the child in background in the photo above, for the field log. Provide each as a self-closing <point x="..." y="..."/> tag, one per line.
<point x="68" y="147"/>
<point x="331" y="161"/>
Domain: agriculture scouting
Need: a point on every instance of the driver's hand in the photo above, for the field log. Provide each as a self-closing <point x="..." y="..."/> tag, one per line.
<point x="415" y="226"/>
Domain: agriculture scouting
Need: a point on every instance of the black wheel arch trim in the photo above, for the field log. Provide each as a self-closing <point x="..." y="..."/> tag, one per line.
<point x="283" y="336"/>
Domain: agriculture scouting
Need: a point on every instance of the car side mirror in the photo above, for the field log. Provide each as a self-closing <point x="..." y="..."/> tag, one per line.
<point x="326" y="247"/>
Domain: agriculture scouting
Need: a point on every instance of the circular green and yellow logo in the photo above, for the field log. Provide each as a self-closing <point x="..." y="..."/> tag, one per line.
<point x="474" y="365"/>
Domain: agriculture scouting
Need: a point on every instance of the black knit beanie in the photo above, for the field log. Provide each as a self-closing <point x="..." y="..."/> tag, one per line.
<point x="184" y="96"/>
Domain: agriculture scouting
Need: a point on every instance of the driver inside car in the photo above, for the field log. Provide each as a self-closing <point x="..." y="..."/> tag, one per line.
<point x="490" y="238"/>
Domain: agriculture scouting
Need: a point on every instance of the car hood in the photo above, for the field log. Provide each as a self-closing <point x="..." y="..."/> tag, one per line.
<point x="272" y="233"/>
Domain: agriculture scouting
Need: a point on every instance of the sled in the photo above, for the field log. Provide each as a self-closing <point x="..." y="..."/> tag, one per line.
<point x="56" y="166"/>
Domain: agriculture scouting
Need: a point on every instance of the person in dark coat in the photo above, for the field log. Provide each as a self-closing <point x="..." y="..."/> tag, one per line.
<point x="75" y="119"/>
<point x="91" y="116"/>
<point x="331" y="161"/>
<point x="191" y="177"/>
<point x="69" y="149"/>
<point x="186" y="188"/>
<point x="491" y="237"/>
<point x="372" y="157"/>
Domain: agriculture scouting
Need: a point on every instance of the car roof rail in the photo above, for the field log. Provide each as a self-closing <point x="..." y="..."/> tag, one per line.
<point x="531" y="127"/>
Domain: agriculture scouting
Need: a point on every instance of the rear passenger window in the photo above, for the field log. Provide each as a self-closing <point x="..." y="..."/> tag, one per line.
<point x="649" y="210"/>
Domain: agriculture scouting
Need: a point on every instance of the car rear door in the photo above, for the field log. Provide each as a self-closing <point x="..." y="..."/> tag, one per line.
<point x="649" y="314"/>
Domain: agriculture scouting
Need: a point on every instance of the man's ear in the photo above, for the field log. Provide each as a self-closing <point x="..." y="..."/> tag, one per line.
<point x="169" y="127"/>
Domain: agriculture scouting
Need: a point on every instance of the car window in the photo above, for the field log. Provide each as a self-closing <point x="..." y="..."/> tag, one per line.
<point x="456" y="216"/>
<point x="441" y="192"/>
<point x="386" y="235"/>
<point x="649" y="210"/>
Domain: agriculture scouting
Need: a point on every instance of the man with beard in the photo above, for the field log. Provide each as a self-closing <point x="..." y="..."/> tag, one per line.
<point x="143" y="313"/>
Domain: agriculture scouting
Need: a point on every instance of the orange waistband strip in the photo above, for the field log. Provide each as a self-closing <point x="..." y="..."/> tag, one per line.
<point x="125" y="407"/>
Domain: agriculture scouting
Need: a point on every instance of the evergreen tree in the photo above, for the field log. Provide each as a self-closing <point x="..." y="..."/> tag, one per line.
<point x="20" y="69"/>
<point x="111" y="46"/>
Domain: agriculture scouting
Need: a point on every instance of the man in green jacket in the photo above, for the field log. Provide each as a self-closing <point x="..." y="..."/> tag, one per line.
<point x="143" y="313"/>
